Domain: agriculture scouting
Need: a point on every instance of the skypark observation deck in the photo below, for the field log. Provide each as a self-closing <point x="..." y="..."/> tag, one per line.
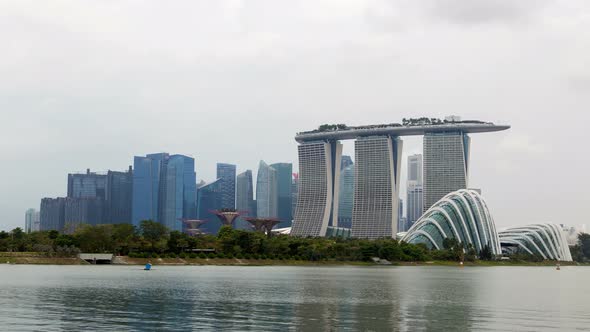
<point x="397" y="130"/>
<point x="378" y="153"/>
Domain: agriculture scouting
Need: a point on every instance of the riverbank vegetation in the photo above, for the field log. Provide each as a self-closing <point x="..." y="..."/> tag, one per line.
<point x="153" y="241"/>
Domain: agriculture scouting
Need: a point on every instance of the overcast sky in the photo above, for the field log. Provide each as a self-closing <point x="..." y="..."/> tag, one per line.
<point x="90" y="84"/>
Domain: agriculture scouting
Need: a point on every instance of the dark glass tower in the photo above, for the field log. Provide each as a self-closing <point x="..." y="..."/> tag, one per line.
<point x="119" y="196"/>
<point x="209" y="199"/>
<point x="245" y="198"/>
<point x="146" y="187"/>
<point x="227" y="174"/>
<point x="284" y="191"/>
<point x="180" y="192"/>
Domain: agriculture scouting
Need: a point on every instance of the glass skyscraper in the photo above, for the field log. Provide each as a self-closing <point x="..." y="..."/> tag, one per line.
<point x="52" y="214"/>
<point x="164" y="189"/>
<point x="415" y="200"/>
<point x="227" y="174"/>
<point x="146" y="187"/>
<point x="180" y="192"/>
<point x="284" y="173"/>
<point x="266" y="192"/>
<point x="87" y="185"/>
<point x="346" y="197"/>
<point x="119" y="196"/>
<point x="32" y="220"/>
<point x="209" y="199"/>
<point x="245" y="198"/>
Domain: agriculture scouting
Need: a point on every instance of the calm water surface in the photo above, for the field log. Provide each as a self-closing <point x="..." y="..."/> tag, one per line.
<point x="124" y="298"/>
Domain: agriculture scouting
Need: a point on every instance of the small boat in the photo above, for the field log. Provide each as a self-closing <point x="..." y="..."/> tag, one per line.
<point x="558" y="267"/>
<point x="148" y="267"/>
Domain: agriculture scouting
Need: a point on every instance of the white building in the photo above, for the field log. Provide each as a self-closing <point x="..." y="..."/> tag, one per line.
<point x="446" y="165"/>
<point x="376" y="187"/>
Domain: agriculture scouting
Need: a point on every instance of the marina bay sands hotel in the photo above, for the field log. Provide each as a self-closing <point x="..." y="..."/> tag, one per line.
<point x="378" y="154"/>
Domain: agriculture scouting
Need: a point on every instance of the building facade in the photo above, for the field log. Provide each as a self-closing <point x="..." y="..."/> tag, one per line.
<point x="446" y="165"/>
<point x="208" y="200"/>
<point x="346" y="197"/>
<point x="52" y="214"/>
<point x="87" y="185"/>
<point x="376" y="187"/>
<point x="267" y="192"/>
<point x="180" y="192"/>
<point x="284" y="173"/>
<point x="119" y="197"/>
<point x="245" y="198"/>
<point x="414" y="191"/>
<point x="32" y="221"/>
<point x="227" y="174"/>
<point x="319" y="181"/>
<point x="147" y="173"/>
<point x="78" y="211"/>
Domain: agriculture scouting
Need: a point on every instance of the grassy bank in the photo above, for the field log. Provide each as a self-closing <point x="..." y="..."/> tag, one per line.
<point x="37" y="258"/>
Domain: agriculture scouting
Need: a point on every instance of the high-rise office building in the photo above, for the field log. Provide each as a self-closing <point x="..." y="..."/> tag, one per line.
<point x="227" y="174"/>
<point x="208" y="200"/>
<point x="164" y="189"/>
<point x="376" y="187"/>
<point x="346" y="197"/>
<point x="77" y="211"/>
<point x="414" y="201"/>
<point x="87" y="185"/>
<point x="284" y="173"/>
<point x="180" y="192"/>
<point x="52" y="215"/>
<point x="266" y="192"/>
<point x="147" y="173"/>
<point x="119" y="195"/>
<point x="245" y="198"/>
<point x="319" y="179"/>
<point x="32" y="220"/>
<point x="446" y="165"/>
<point x="345" y="162"/>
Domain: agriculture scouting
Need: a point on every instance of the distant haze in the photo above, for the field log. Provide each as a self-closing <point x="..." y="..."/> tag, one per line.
<point x="90" y="84"/>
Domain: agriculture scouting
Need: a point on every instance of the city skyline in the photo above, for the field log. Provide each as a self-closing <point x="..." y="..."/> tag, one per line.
<point x="258" y="79"/>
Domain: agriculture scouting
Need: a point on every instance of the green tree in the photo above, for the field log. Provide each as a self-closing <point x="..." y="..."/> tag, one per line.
<point x="584" y="243"/>
<point x="153" y="232"/>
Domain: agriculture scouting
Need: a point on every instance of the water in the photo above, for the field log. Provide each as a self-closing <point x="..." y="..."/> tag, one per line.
<point x="126" y="298"/>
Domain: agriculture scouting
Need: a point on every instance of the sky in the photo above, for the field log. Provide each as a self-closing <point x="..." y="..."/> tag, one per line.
<point x="90" y="84"/>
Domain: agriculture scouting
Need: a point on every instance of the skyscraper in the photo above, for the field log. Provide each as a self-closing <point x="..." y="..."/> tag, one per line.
<point x="52" y="214"/>
<point x="180" y="192"/>
<point x="227" y="174"/>
<point x="164" y="189"/>
<point x="284" y="182"/>
<point x="87" y="185"/>
<point x="209" y="199"/>
<point x="346" y="197"/>
<point x="86" y="210"/>
<point x="319" y="179"/>
<point x="119" y="195"/>
<point x="32" y="220"/>
<point x="345" y="162"/>
<point x="376" y="188"/>
<point x="414" y="201"/>
<point x="147" y="172"/>
<point x="266" y="191"/>
<point x="446" y="165"/>
<point x="245" y="198"/>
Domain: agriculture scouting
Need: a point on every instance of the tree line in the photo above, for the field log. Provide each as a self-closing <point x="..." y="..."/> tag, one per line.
<point x="152" y="239"/>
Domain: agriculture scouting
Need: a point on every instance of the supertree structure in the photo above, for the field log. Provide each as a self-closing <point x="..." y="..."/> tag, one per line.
<point x="263" y="225"/>
<point x="193" y="226"/>
<point x="227" y="216"/>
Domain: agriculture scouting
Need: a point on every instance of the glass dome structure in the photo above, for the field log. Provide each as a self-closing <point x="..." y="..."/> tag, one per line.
<point x="461" y="215"/>
<point x="545" y="240"/>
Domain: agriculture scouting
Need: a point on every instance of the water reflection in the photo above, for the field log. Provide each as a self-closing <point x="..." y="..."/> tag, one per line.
<point x="284" y="298"/>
